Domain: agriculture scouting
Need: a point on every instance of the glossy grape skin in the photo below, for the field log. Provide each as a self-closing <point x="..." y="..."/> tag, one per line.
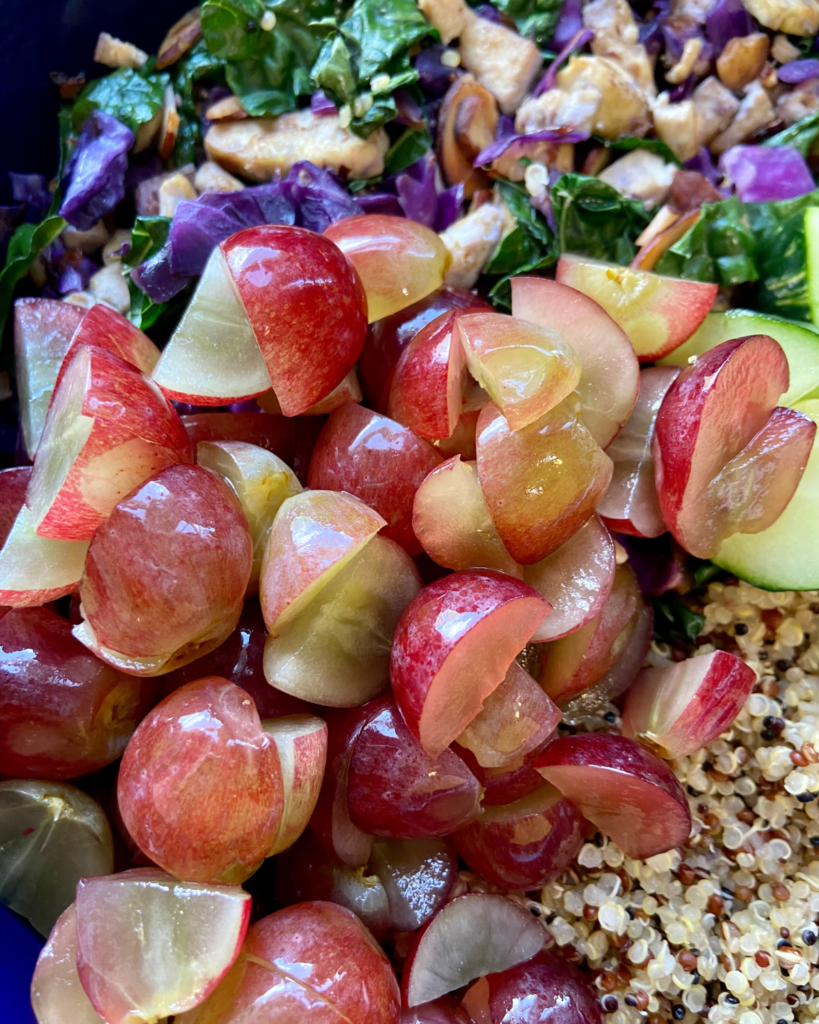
<point x="166" y="573"/>
<point x="273" y="432"/>
<point x="63" y="712"/>
<point x="544" y="988"/>
<point x="387" y="339"/>
<point x="307" y="871"/>
<point x="239" y="659"/>
<point x="200" y="786"/>
<point x="307" y="306"/>
<point x="524" y="845"/>
<point x="379" y="461"/>
<point x="418" y="875"/>
<point x="311" y="962"/>
<point x="396" y="790"/>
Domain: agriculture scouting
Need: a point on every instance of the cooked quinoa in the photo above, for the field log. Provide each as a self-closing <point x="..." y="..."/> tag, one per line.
<point x="726" y="928"/>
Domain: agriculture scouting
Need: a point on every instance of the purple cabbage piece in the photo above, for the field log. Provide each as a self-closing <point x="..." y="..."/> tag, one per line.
<point x="410" y="113"/>
<point x="577" y="42"/>
<point x="518" y="143"/>
<point x="764" y="173"/>
<point x="379" y="202"/>
<point x="156" y="278"/>
<point x="433" y="76"/>
<point x="75" y="277"/>
<point x="320" y="103"/>
<point x="506" y="126"/>
<point x="317" y="196"/>
<point x="96" y="170"/>
<point x="417" y="193"/>
<point x="651" y="32"/>
<point x="796" y="71"/>
<point x="725" y="20"/>
<point x="703" y="162"/>
<point x="490" y="13"/>
<point x="569" y="24"/>
<point x="196" y="230"/>
<point x="32" y="190"/>
<point x="450" y="202"/>
<point x="309" y="197"/>
<point x="683" y="90"/>
<point x="677" y="32"/>
<point x="656" y="563"/>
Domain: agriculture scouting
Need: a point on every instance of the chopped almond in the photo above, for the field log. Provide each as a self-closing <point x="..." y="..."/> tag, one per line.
<point x="114" y="53"/>
<point x="180" y="38"/>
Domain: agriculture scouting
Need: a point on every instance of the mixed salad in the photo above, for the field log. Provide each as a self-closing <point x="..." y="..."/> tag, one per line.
<point x="411" y="542"/>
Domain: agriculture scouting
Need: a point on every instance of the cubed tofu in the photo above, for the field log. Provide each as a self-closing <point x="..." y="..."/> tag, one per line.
<point x="110" y="287"/>
<point x="501" y="60"/>
<point x="617" y="35"/>
<point x="799" y="102"/>
<point x="172" y="191"/>
<point x="115" y="53"/>
<point x="211" y="178"/>
<point x="795" y="17"/>
<point x="755" y="111"/>
<point x="623" y="108"/>
<point x="449" y="17"/>
<point x="641" y="175"/>
<point x="471" y="242"/>
<point x="715" y="106"/>
<point x="260" y="147"/>
<point x="677" y="125"/>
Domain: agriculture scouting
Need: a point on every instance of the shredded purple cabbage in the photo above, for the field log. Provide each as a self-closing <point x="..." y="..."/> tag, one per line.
<point x="704" y="163"/>
<point x="677" y="32"/>
<point x="308" y="197"/>
<point x="797" y="71"/>
<point x="417" y="193"/>
<point x="434" y="77"/>
<point x="683" y="90"/>
<point x="75" y="277"/>
<point x="577" y="42"/>
<point x="450" y="202"/>
<point x="96" y="170"/>
<point x="518" y="143"/>
<point x="656" y="563"/>
<point x="32" y="190"/>
<point x="764" y="173"/>
<point x="410" y="113"/>
<point x="379" y="202"/>
<point x="725" y="20"/>
<point x="651" y="32"/>
<point x="320" y="103"/>
<point x="569" y="24"/>
<point x="490" y="13"/>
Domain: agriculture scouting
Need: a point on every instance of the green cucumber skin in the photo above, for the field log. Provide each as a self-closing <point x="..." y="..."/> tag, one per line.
<point x="800" y="342"/>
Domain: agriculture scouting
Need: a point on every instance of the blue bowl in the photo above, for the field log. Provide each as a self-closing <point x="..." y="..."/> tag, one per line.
<point x="20" y="946"/>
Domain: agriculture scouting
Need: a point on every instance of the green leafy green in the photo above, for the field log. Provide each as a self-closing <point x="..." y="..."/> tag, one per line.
<point x="652" y="145"/>
<point x="720" y="247"/>
<point x="267" y="68"/>
<point x="311" y="46"/>
<point x="148" y="236"/>
<point x="133" y="97"/>
<point x="704" y="572"/>
<point x="734" y="243"/>
<point x="534" y="18"/>
<point x="378" y="31"/>
<point x="530" y="246"/>
<point x="674" y="620"/>
<point x="595" y="219"/>
<point x="407" y="148"/>
<point x="801" y="135"/>
<point x="25" y="245"/>
<point x="198" y="63"/>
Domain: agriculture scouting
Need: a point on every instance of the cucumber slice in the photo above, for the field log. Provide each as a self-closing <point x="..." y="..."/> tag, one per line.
<point x="812" y="259"/>
<point x="800" y="342"/>
<point x="786" y="555"/>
